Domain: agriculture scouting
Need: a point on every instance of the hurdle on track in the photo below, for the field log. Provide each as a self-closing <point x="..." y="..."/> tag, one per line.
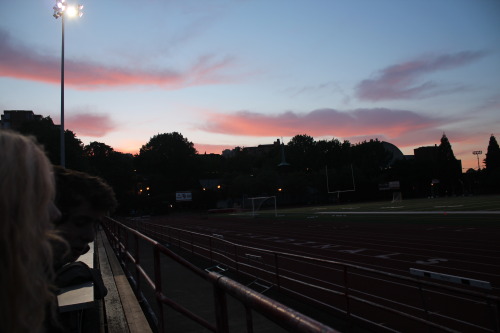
<point x="451" y="278"/>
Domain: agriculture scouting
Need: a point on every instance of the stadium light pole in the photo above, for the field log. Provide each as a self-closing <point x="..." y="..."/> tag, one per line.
<point x="61" y="9"/>
<point x="477" y="153"/>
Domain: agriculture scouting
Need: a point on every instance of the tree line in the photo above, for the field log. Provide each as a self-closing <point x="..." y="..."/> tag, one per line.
<point x="304" y="171"/>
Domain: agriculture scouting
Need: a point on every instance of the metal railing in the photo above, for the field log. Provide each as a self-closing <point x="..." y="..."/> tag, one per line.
<point x="120" y="237"/>
<point x="379" y="299"/>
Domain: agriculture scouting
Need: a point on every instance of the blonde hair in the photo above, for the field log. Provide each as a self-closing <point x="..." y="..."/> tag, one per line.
<point x="26" y="199"/>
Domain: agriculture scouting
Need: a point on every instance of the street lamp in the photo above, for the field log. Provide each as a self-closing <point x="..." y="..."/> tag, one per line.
<point x="61" y="9"/>
<point x="477" y="153"/>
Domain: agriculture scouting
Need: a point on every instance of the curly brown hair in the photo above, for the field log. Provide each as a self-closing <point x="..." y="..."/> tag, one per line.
<point x="74" y="188"/>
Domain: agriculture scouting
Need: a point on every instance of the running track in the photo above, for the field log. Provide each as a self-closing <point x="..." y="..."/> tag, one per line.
<point x="470" y="250"/>
<point x="461" y="245"/>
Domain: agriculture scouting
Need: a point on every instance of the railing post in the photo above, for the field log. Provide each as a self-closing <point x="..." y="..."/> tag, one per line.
<point x="210" y="249"/>
<point x="237" y="263"/>
<point x="424" y="303"/>
<point x="158" y="287"/>
<point x="192" y="246"/>
<point x="276" y="267"/>
<point x="137" y="263"/>
<point x="113" y="230"/>
<point x="249" y="319"/>
<point x="220" y="310"/>
<point x="121" y="251"/>
<point x="492" y="305"/>
<point x="346" y="287"/>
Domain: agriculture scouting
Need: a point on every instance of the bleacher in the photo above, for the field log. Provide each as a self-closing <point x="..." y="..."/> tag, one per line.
<point x="119" y="312"/>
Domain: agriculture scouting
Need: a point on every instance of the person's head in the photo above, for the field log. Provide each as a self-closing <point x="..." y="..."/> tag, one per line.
<point x="26" y="213"/>
<point x="83" y="200"/>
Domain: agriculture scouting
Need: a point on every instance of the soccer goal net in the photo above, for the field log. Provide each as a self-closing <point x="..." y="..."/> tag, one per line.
<point x="397" y="197"/>
<point x="259" y="203"/>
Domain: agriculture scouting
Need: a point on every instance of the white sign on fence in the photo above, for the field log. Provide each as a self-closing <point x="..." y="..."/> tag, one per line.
<point x="183" y="196"/>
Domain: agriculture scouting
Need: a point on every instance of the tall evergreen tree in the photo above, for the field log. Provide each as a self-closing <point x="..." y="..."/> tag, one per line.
<point x="492" y="160"/>
<point x="449" y="169"/>
<point x="445" y="151"/>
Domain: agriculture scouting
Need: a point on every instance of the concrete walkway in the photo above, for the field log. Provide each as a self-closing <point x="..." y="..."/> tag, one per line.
<point x="121" y="311"/>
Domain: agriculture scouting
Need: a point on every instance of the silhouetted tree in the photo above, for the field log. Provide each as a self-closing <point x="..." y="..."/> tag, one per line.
<point x="116" y="169"/>
<point x="492" y="160"/>
<point x="369" y="160"/>
<point x="491" y="178"/>
<point x="48" y="135"/>
<point x="301" y="152"/>
<point x="98" y="150"/>
<point x="167" y="163"/>
<point x="333" y="153"/>
<point x="210" y="166"/>
<point x="449" y="169"/>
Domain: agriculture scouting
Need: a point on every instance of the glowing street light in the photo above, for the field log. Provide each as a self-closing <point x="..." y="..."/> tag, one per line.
<point x="61" y="9"/>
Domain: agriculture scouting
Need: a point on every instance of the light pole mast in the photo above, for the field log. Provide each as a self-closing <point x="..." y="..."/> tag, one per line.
<point x="59" y="11"/>
<point x="63" y="148"/>
<point x="477" y="153"/>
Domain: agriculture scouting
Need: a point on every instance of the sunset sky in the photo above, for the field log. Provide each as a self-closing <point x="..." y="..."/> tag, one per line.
<point x="227" y="73"/>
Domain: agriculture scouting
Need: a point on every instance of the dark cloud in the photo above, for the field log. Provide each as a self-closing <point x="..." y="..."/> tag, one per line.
<point x="401" y="81"/>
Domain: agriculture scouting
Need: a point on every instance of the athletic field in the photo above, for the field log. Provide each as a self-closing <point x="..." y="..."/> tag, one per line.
<point x="484" y="204"/>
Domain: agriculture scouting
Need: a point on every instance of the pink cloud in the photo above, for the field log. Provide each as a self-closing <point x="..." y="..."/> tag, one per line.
<point x="20" y="62"/>
<point x="86" y="124"/>
<point x="323" y="122"/>
<point x="400" y="81"/>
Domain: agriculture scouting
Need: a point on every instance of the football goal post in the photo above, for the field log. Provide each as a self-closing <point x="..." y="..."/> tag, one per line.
<point x="258" y="201"/>
<point x="353" y="189"/>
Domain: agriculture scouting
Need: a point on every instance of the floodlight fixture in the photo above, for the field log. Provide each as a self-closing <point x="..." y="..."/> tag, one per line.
<point x="477" y="153"/>
<point x="75" y="10"/>
<point x="59" y="8"/>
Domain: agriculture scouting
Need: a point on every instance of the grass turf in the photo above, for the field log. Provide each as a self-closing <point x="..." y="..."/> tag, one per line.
<point x="474" y="210"/>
